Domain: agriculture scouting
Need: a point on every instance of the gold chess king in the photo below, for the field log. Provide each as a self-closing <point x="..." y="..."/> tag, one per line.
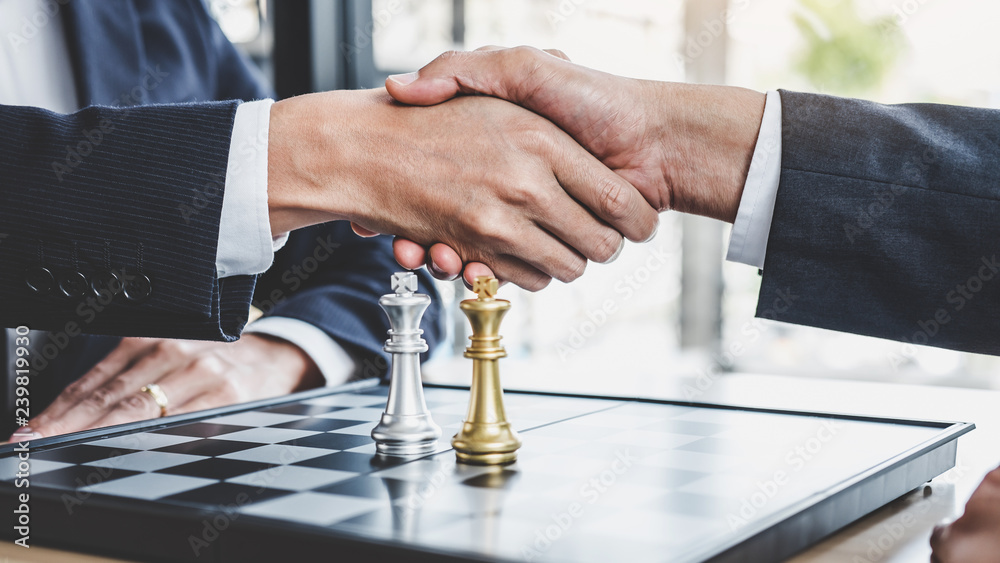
<point x="486" y="438"/>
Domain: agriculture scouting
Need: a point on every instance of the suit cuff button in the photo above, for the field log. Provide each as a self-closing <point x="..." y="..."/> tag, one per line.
<point x="137" y="287"/>
<point x="107" y="283"/>
<point x="39" y="279"/>
<point x="73" y="285"/>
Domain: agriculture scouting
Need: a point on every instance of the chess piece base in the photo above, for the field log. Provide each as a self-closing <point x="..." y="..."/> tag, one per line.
<point x="486" y="444"/>
<point x="406" y="435"/>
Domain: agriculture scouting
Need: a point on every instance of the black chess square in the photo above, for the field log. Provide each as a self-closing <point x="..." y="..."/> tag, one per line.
<point x="330" y="441"/>
<point x="317" y="424"/>
<point x="81" y="453"/>
<point x="79" y="476"/>
<point x="201" y="429"/>
<point x="347" y="461"/>
<point x="227" y="494"/>
<point x="301" y="408"/>
<point x="367" y="486"/>
<point x="208" y="447"/>
<point x="216" y="468"/>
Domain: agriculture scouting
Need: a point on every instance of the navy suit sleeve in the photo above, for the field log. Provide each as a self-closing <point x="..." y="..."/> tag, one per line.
<point x="887" y="222"/>
<point x="134" y="190"/>
<point x="331" y="278"/>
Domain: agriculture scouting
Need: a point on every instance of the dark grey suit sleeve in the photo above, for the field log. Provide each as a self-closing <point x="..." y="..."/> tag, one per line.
<point x="887" y="222"/>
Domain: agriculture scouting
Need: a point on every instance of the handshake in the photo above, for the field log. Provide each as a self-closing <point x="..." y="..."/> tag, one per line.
<point x="552" y="165"/>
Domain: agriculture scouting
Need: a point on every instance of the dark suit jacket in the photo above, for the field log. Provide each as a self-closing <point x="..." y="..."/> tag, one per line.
<point x="887" y="222"/>
<point x="134" y="182"/>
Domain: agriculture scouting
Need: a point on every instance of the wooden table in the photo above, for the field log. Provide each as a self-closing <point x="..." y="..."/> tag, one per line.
<point x="898" y="532"/>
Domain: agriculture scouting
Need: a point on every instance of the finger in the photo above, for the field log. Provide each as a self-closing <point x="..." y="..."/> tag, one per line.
<point x="608" y="196"/>
<point x="493" y="72"/>
<point x="534" y="259"/>
<point x="443" y="262"/>
<point x="939" y="542"/>
<point x="51" y="421"/>
<point x="363" y="232"/>
<point x="409" y="254"/>
<point x="180" y="386"/>
<point x="153" y="363"/>
<point x="474" y="270"/>
<point x="557" y="53"/>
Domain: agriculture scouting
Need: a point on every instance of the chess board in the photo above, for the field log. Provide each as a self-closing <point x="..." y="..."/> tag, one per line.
<point x="598" y="479"/>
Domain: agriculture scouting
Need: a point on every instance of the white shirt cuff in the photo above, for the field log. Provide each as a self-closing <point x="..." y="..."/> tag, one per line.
<point x="246" y="246"/>
<point x="332" y="360"/>
<point x="748" y="241"/>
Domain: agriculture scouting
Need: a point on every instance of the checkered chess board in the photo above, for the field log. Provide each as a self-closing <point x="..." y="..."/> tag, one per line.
<point x="597" y="479"/>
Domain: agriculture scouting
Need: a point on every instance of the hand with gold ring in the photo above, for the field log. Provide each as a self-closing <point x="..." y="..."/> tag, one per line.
<point x="146" y="378"/>
<point x="159" y="396"/>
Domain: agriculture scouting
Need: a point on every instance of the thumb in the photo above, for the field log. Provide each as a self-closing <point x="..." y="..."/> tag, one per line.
<point x="490" y="71"/>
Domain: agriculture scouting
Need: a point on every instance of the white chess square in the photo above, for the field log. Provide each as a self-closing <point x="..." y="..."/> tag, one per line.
<point x="145" y="461"/>
<point x="143" y="441"/>
<point x="292" y="477"/>
<point x="359" y="413"/>
<point x="255" y="418"/>
<point x="347" y="401"/>
<point x="267" y="435"/>
<point x="149" y="485"/>
<point x="313" y="508"/>
<point x="279" y="454"/>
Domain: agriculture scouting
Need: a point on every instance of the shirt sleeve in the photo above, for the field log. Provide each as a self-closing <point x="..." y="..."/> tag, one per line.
<point x="333" y="361"/>
<point x="246" y="246"/>
<point x="748" y="241"/>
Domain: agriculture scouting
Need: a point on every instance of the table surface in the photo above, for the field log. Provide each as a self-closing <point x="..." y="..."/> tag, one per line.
<point x="897" y="532"/>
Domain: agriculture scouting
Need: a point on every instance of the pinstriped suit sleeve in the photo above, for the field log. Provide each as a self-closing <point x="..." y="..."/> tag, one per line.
<point x="137" y="190"/>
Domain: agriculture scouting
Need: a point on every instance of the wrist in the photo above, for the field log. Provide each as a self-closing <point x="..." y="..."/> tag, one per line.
<point x="302" y="371"/>
<point x="708" y="147"/>
<point x="309" y="173"/>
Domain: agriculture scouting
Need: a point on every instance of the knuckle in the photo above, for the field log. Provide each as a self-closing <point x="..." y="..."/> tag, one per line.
<point x="613" y="199"/>
<point x="140" y="403"/>
<point x="524" y="52"/>
<point x="75" y="390"/>
<point x="167" y="348"/>
<point x="573" y="270"/>
<point x="608" y="245"/>
<point x="101" y="398"/>
<point x="208" y="365"/>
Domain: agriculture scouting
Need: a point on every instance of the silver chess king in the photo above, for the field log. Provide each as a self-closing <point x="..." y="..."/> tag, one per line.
<point x="406" y="427"/>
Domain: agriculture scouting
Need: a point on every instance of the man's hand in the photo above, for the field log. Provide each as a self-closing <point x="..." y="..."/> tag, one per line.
<point x="975" y="537"/>
<point x="684" y="147"/>
<point x="493" y="181"/>
<point x="194" y="375"/>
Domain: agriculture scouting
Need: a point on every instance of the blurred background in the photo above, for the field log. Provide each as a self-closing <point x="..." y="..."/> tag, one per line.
<point x="670" y="314"/>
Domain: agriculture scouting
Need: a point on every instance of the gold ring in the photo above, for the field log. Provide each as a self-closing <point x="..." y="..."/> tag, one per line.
<point x="158" y="395"/>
